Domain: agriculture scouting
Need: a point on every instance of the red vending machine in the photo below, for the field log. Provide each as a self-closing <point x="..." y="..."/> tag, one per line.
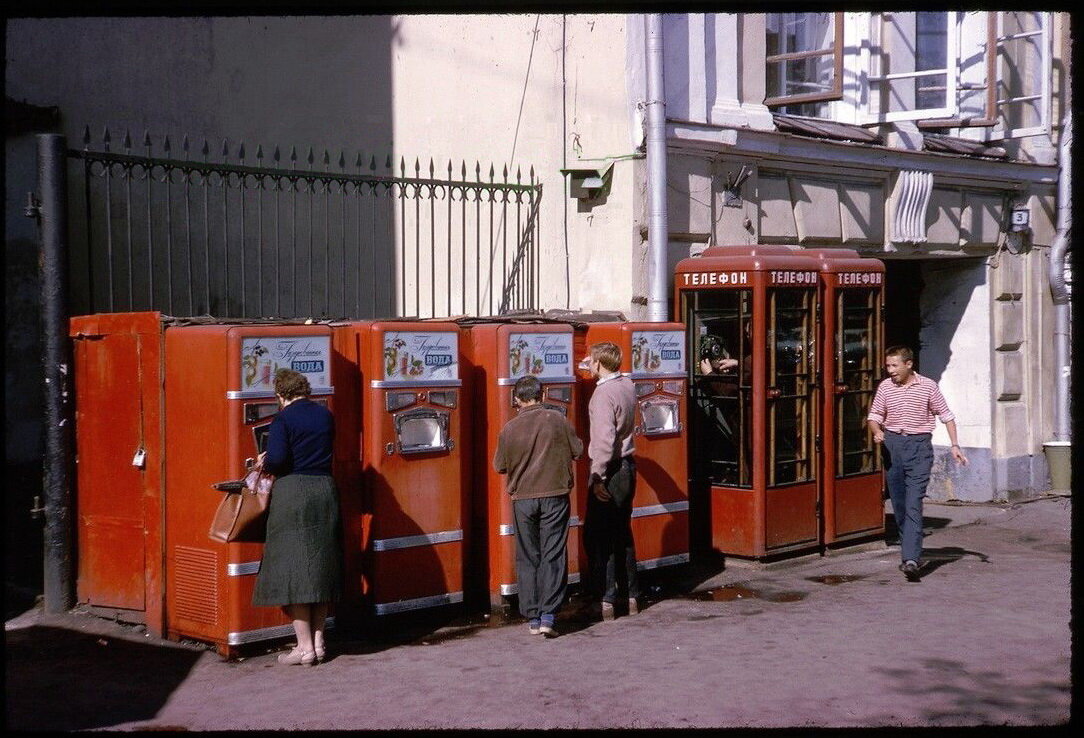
<point x="751" y="319"/>
<point x="188" y="403"/>
<point x="407" y="391"/>
<point x="653" y="355"/>
<point x="852" y="302"/>
<point x="497" y="353"/>
<point x="219" y="403"/>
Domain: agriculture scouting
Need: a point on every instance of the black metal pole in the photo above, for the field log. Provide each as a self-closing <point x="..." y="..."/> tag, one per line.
<point x="56" y="360"/>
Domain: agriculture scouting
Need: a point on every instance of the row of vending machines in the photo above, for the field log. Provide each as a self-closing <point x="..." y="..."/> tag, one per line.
<point x="165" y="408"/>
<point x="762" y="452"/>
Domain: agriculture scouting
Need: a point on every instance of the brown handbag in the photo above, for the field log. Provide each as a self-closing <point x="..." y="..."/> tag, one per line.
<point x="242" y="514"/>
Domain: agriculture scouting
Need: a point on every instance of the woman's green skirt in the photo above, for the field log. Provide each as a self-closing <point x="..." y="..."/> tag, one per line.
<point x="302" y="555"/>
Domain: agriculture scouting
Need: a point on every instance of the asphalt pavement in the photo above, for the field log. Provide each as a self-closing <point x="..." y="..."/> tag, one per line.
<point x="834" y="640"/>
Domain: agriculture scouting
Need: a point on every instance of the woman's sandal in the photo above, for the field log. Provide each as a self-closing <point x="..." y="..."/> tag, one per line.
<point x="320" y="655"/>
<point x="298" y="657"/>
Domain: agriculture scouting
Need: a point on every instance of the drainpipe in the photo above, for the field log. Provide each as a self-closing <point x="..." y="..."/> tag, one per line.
<point x="1058" y="288"/>
<point x="52" y="214"/>
<point x="657" y="227"/>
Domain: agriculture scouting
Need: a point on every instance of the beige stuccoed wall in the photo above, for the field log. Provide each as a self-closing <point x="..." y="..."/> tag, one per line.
<point x="469" y="87"/>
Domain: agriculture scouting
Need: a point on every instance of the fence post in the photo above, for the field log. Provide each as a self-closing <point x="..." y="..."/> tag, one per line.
<point x="58" y="572"/>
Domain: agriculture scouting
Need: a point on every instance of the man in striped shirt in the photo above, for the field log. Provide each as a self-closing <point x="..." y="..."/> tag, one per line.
<point x="902" y="417"/>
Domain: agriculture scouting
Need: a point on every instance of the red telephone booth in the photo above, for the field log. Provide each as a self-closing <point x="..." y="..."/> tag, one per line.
<point x="851" y="343"/>
<point x="496" y="353"/>
<point x="406" y="391"/>
<point x="653" y="355"/>
<point x="165" y="409"/>
<point x="750" y="314"/>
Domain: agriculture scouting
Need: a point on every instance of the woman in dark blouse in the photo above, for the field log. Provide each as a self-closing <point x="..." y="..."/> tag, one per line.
<point x="301" y="570"/>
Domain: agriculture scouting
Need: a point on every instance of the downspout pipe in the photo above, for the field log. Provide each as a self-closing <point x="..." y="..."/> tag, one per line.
<point x="59" y="532"/>
<point x="1059" y="290"/>
<point x="658" y="228"/>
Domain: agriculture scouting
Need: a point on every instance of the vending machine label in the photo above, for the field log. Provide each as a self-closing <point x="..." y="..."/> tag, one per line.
<point x="262" y="356"/>
<point x="421" y="356"/>
<point x="547" y="355"/>
<point x="658" y="352"/>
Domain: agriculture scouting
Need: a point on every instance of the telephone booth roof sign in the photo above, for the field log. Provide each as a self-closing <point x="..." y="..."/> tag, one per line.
<point x="736" y="267"/>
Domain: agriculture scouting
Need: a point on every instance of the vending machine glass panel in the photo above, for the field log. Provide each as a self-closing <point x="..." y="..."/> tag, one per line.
<point x="422" y="430"/>
<point x="857" y="367"/>
<point x="790" y="382"/>
<point x="644" y="388"/>
<point x="721" y="388"/>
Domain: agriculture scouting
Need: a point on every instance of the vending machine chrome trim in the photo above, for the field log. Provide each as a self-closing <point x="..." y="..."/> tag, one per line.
<point x="666" y="507"/>
<point x="509" y="381"/>
<point x="510" y="589"/>
<point x="390" y="544"/>
<point x="410" y="383"/>
<point x="241" y="569"/>
<point x="270" y="394"/>
<point x="263" y="634"/>
<point x="646" y="376"/>
<point x="387" y="608"/>
<point x="663" y="561"/>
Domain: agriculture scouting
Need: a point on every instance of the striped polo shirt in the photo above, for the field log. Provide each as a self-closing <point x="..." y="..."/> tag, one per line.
<point x="909" y="408"/>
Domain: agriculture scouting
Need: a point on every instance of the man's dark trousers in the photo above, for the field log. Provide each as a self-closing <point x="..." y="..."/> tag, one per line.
<point x="910" y="458"/>
<point x="541" y="553"/>
<point x="607" y="532"/>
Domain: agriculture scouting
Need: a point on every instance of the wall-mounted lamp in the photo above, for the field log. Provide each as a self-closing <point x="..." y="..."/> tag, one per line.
<point x="587" y="184"/>
<point x="732" y="187"/>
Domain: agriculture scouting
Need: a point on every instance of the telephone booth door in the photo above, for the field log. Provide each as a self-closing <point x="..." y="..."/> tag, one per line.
<point x="852" y="327"/>
<point x="750" y="314"/>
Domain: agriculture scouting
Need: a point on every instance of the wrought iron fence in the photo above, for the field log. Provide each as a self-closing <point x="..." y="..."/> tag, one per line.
<point x="251" y="235"/>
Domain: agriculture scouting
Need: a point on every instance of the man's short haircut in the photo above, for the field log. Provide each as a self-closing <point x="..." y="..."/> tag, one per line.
<point x="528" y="389"/>
<point x="608" y="354"/>
<point x="291" y="384"/>
<point x="903" y="352"/>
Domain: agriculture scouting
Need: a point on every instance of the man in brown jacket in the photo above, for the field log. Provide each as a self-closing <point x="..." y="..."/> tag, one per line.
<point x="611" y="553"/>
<point x="535" y="449"/>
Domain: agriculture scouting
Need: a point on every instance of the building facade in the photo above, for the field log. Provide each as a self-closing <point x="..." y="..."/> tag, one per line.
<point x="912" y="137"/>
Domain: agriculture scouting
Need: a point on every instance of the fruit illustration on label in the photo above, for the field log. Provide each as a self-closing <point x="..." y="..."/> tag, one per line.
<point x="515" y="355"/>
<point x="391" y="356"/>
<point x="638" y="352"/>
<point x="417" y="368"/>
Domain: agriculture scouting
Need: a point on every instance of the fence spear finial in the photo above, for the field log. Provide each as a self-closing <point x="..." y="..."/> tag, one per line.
<point x="259" y="153"/>
<point x="147" y="141"/>
<point x="225" y="149"/>
<point x="127" y="144"/>
<point x="206" y="150"/>
<point x="184" y="145"/>
<point x="310" y="159"/>
<point x="106" y="139"/>
<point x="241" y="152"/>
<point x="86" y="138"/>
<point x="165" y="145"/>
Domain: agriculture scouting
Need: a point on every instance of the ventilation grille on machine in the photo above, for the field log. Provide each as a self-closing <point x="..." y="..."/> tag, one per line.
<point x="195" y="585"/>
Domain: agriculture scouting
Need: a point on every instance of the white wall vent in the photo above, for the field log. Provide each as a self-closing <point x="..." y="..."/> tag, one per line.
<point x="910" y="199"/>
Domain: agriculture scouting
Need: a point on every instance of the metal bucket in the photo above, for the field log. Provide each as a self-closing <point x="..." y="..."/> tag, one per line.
<point x="1058" y="454"/>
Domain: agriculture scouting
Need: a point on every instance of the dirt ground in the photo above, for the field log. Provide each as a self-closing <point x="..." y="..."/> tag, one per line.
<point x="839" y="640"/>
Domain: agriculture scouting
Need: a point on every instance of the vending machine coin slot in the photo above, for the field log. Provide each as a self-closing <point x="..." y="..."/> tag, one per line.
<point x="399" y="400"/>
<point x="444" y="398"/>
<point x="422" y="430"/>
<point x="560" y="393"/>
<point x="257" y="411"/>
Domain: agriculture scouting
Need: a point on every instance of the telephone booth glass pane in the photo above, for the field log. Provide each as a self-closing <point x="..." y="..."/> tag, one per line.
<point x="720" y="323"/>
<point x="857" y="368"/>
<point x="790" y="383"/>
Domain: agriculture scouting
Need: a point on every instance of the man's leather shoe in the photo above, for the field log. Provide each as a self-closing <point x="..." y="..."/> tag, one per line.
<point x="910" y="570"/>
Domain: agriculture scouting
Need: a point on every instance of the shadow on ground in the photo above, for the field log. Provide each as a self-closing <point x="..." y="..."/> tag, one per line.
<point x="95" y="681"/>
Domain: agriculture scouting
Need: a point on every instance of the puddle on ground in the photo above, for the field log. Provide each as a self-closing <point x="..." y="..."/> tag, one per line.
<point x="834" y="579"/>
<point x="731" y="592"/>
